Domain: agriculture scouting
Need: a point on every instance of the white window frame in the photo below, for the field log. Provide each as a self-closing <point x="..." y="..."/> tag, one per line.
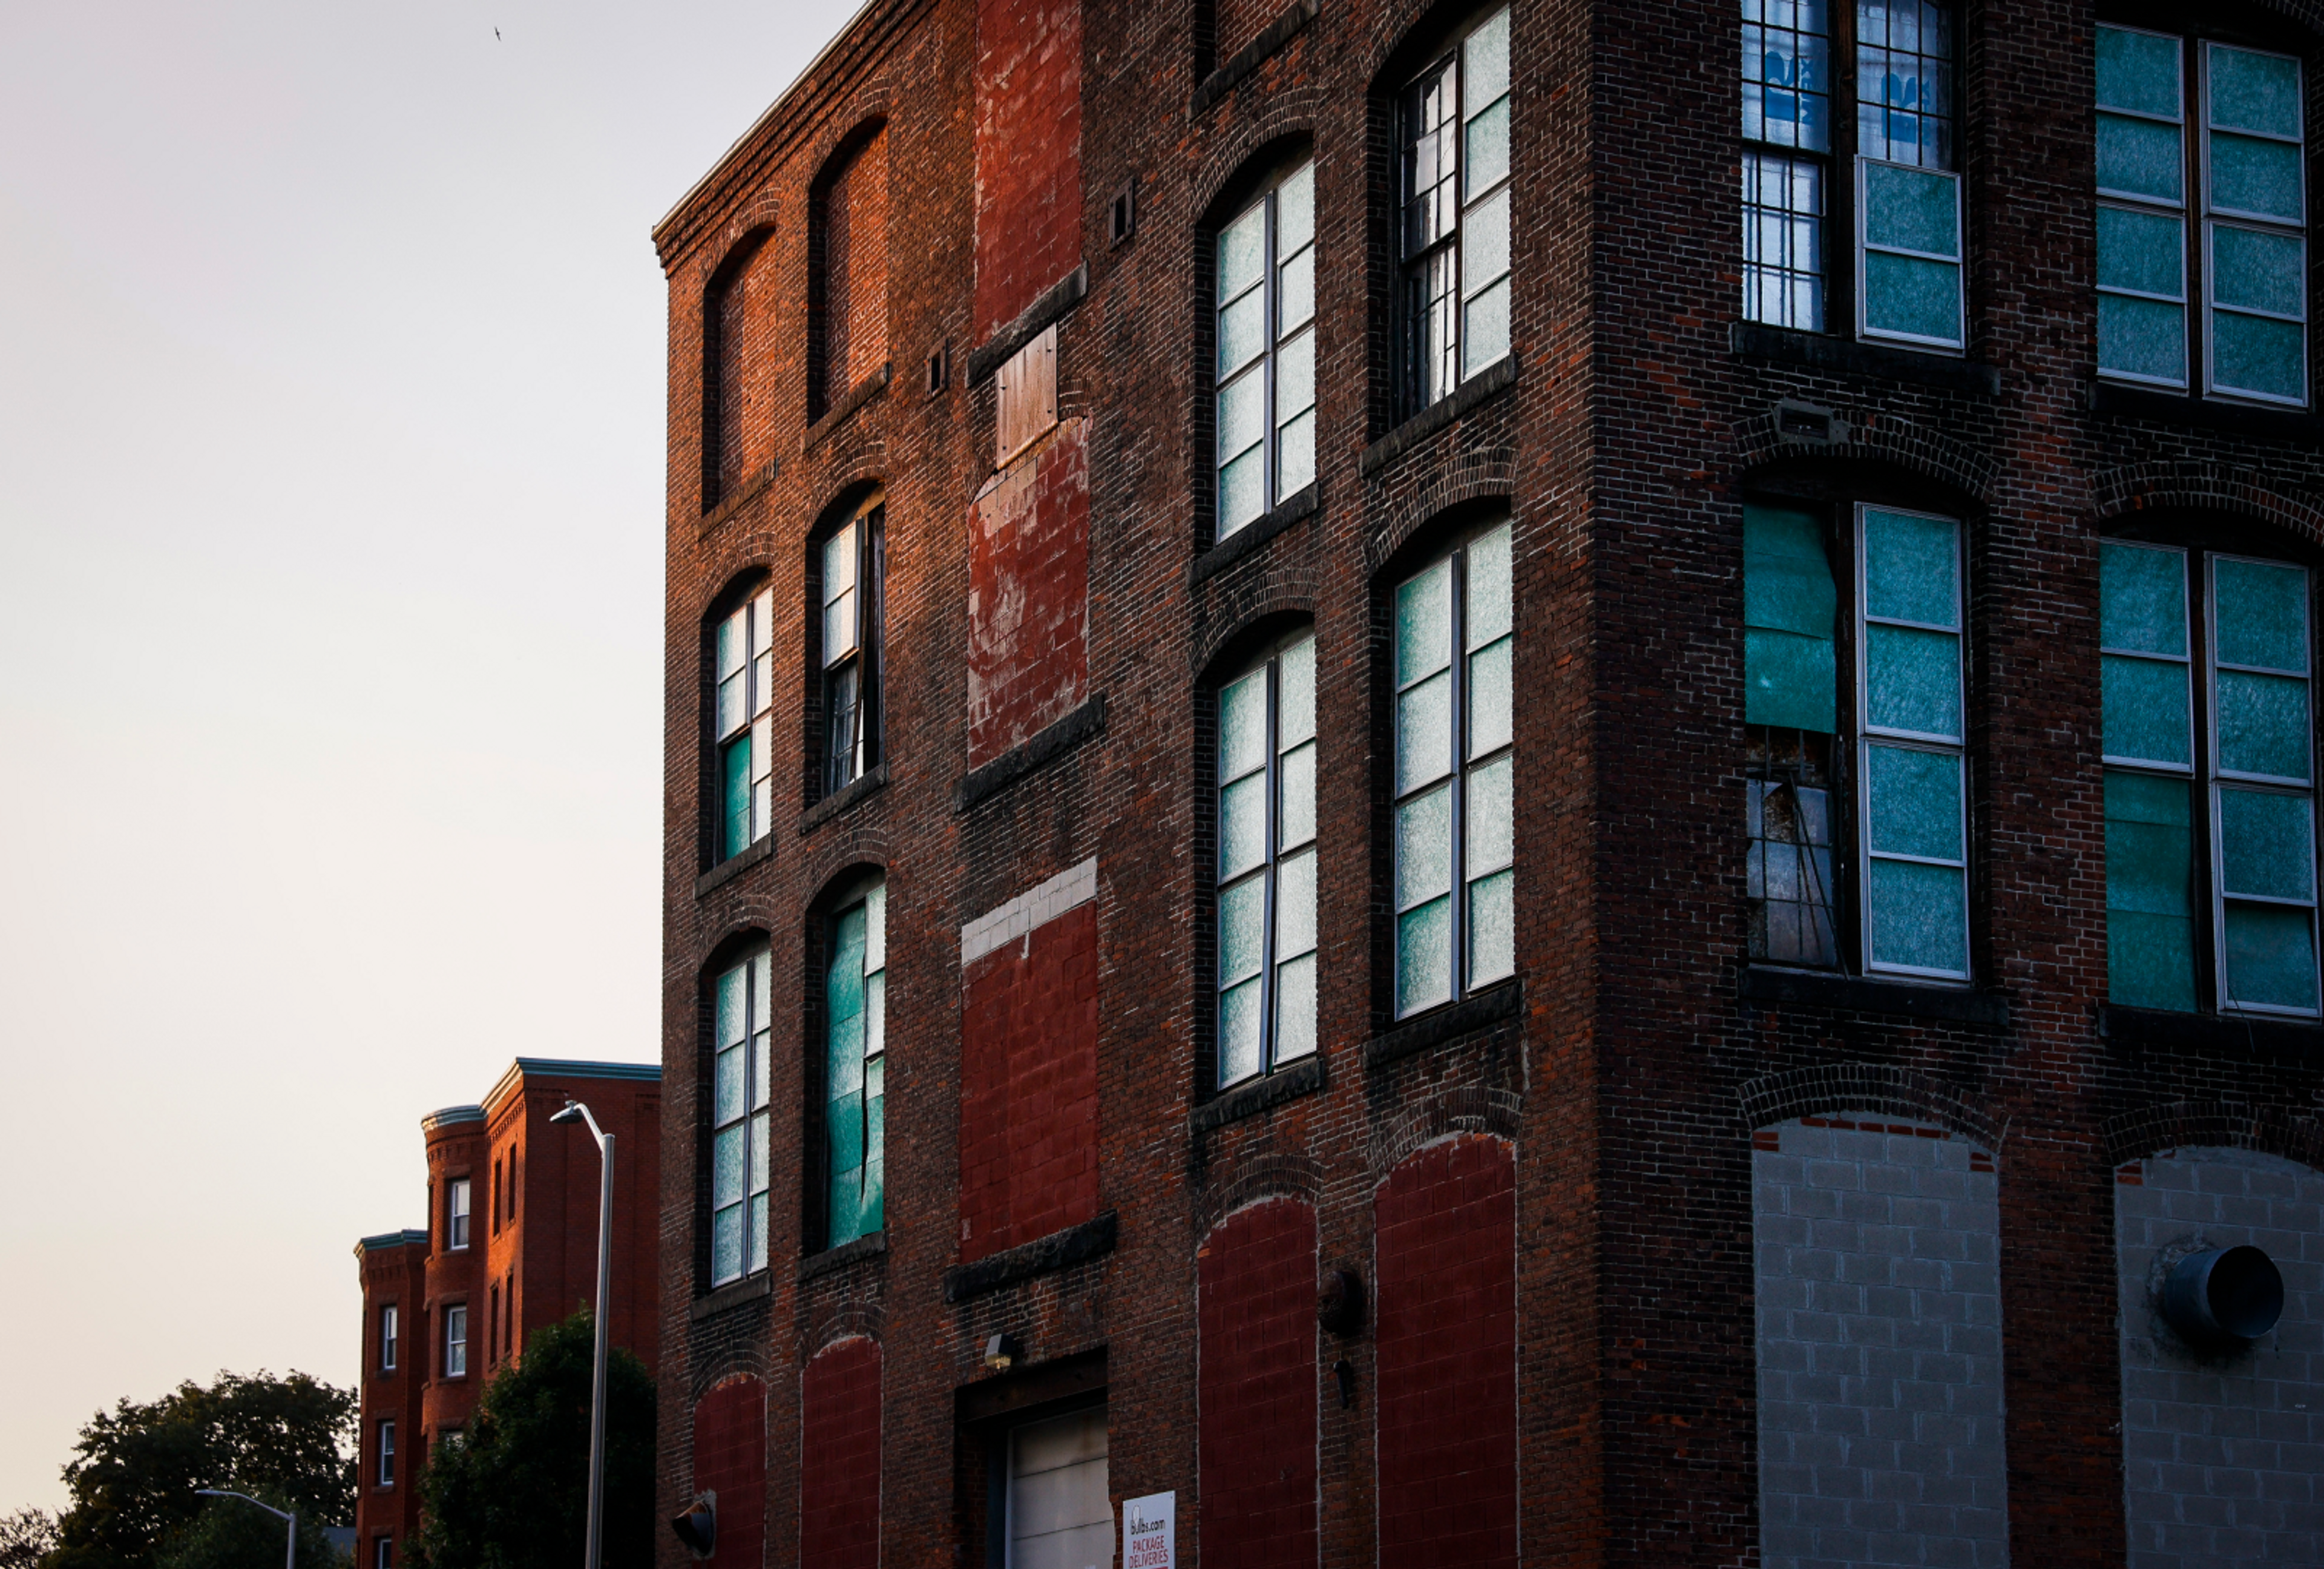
<point x="383" y="1452"/>
<point x="458" y="1215"/>
<point x="873" y="901"/>
<point x="1276" y="338"/>
<point x="455" y="1340"/>
<point x="1867" y="735"/>
<point x="390" y="1327"/>
<point x="1418" y="386"/>
<point x="1960" y="263"/>
<point x="2147" y="205"/>
<point x="383" y="1553"/>
<point x="848" y="633"/>
<point x="1269" y="871"/>
<point x="2216" y="218"/>
<point x="742" y="714"/>
<point x="752" y="1119"/>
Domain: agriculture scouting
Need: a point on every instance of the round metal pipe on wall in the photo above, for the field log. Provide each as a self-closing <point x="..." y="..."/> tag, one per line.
<point x="2224" y="1295"/>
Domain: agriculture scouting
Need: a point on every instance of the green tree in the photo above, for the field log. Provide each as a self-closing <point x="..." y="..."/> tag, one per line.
<point x="136" y="1467"/>
<point x="229" y="1534"/>
<point x="512" y="1492"/>
<point x="26" y="1537"/>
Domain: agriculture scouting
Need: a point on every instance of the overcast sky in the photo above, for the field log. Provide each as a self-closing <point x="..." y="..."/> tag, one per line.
<point x="331" y="439"/>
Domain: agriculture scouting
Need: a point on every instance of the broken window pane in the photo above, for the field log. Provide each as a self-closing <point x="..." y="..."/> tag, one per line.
<point x="1787" y="807"/>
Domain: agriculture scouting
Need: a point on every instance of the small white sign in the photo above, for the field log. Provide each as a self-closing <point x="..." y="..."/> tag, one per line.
<point x="1150" y="1532"/>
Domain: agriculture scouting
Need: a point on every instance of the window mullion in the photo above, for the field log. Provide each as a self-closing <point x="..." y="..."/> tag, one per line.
<point x="1268" y="1003"/>
<point x="1460" y="729"/>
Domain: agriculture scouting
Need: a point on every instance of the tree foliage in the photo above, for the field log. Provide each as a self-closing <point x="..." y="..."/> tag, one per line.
<point x="512" y="1492"/>
<point x="229" y="1534"/>
<point x="136" y="1467"/>
<point x="26" y="1537"/>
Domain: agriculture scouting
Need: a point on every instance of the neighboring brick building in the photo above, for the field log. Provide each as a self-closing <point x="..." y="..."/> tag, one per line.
<point x="510" y="1246"/>
<point x="1452" y="652"/>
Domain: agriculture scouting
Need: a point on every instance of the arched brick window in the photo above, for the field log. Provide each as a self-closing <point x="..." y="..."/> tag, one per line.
<point x="730" y="1459"/>
<point x="839" y="1457"/>
<point x="1256" y="1274"/>
<point x="736" y="431"/>
<point x="847" y="273"/>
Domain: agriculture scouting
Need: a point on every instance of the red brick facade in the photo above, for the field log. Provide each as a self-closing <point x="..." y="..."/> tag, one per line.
<point x="1544" y="1188"/>
<point x="840" y="1457"/>
<point x="529" y="1259"/>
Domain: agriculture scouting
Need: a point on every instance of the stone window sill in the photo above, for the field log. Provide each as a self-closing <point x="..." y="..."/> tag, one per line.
<point x="1823" y="352"/>
<point x="735" y="1294"/>
<point x="1473" y="1014"/>
<point x="1252" y="537"/>
<point x="730" y="505"/>
<point x="873" y="1245"/>
<point x="1861" y="994"/>
<point x="1252" y="1096"/>
<point x="1061" y="737"/>
<point x="734" y="865"/>
<point x="2155" y="1027"/>
<point x="1285" y="27"/>
<point x="841" y="798"/>
<point x="1093" y="1239"/>
<point x="1471" y="394"/>
<point x="2112" y="401"/>
<point x="864" y="392"/>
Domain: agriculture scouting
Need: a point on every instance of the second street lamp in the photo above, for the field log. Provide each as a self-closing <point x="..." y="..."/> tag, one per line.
<point x="576" y="1112"/>
<point x="290" y="1546"/>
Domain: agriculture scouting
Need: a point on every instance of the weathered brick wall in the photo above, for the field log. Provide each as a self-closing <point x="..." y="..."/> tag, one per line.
<point x="1029" y="128"/>
<point x="1255" y="1276"/>
<point x="851" y="296"/>
<point x="2223" y="1449"/>
<point x="1448" y="1353"/>
<point x="1028" y="1112"/>
<point x="1028" y="596"/>
<point x="745" y="310"/>
<point x="1879" y="1345"/>
<point x="839" y="1457"/>
<point x="728" y="1457"/>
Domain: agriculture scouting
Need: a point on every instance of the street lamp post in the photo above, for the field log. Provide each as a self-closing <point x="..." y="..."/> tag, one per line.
<point x="576" y="1112"/>
<point x="289" y="1547"/>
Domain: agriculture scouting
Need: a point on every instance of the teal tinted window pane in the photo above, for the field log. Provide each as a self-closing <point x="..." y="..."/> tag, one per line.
<point x="1912" y="680"/>
<point x="2141" y="158"/>
<point x="1424" y="847"/>
<point x="1242" y="253"/>
<point x="733" y="988"/>
<point x="1918" y="919"/>
<point x="1489" y="594"/>
<point x="1489" y="147"/>
<point x="1299" y="772"/>
<point x="1492" y="928"/>
<point x="2142" y="250"/>
<point x="732" y="645"/>
<point x="2254" y="92"/>
<point x="1787" y="582"/>
<point x="845" y="1131"/>
<point x="736" y="797"/>
<point x="2146" y="710"/>
<point x="1242" y="726"/>
<point x="1242" y="824"/>
<point x="1424" y="956"/>
<point x="2267" y="845"/>
<point x="1294" y="905"/>
<point x="1910" y="569"/>
<point x="726" y="1166"/>
<point x="1915" y="807"/>
<point x="1424" y="624"/>
<point x="2252" y="176"/>
<point x="2142" y="598"/>
<point x="2138" y="71"/>
<point x="757" y="1239"/>
<point x="729" y="1101"/>
<point x="1911" y="209"/>
<point x="2263" y="725"/>
<point x="1492" y="816"/>
<point x="1242" y="929"/>
<point x="1789" y="680"/>
<point x="1912" y="298"/>
<point x="2251" y="354"/>
<point x="1297" y="687"/>
<point x="1424" y="733"/>
<point x="2271" y="957"/>
<point x="1485" y="60"/>
<point x="1490" y="698"/>
<point x="2150" y="960"/>
<point x="2262" y="611"/>
<point x="874" y="1215"/>
<point x="845" y="992"/>
<point x="1239" y="1020"/>
<point x="727" y="1243"/>
<point x="734" y="701"/>
<point x="1294" y="210"/>
<point x="2137" y="798"/>
<point x="1485" y="328"/>
<point x="1294" y="1008"/>
<point x="2150" y="845"/>
<point x="2258" y="272"/>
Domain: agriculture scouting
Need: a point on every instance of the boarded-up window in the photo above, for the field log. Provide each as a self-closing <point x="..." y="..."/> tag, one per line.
<point x="735" y="424"/>
<point x="1026" y="395"/>
<point x="847" y="283"/>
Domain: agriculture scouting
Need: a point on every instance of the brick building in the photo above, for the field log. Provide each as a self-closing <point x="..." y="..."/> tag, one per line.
<point x="1498" y="783"/>
<point x="510" y="1247"/>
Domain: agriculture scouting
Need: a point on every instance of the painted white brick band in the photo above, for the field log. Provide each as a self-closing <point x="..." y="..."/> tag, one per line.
<point x="1879" y="1341"/>
<point x="2223" y="1454"/>
<point x="1036" y="907"/>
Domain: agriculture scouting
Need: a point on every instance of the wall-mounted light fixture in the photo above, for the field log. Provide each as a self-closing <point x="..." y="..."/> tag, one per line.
<point x="1001" y="1351"/>
<point x="697" y="1528"/>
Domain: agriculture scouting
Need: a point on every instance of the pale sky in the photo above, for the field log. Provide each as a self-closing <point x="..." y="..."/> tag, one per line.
<point x="331" y="448"/>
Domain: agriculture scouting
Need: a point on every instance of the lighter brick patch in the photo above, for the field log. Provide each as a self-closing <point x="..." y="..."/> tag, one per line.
<point x="1035" y="908"/>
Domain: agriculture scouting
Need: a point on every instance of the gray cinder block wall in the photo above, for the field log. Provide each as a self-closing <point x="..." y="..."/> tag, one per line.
<point x="1879" y="1346"/>
<point x="2223" y="1453"/>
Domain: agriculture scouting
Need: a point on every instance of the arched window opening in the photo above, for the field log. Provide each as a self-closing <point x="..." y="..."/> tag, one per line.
<point x="851" y="569"/>
<point x="1266" y="372"/>
<point x="1453" y="198"/>
<point x="847" y="275"/>
<point x="1267" y="863"/>
<point x="741" y="1090"/>
<point x="855" y="1068"/>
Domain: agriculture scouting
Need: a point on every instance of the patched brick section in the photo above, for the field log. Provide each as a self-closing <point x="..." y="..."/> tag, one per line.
<point x="1029" y="1126"/>
<point x="1028" y="134"/>
<point x="730" y="1459"/>
<point x="1256" y="1280"/>
<point x="1446" y="1259"/>
<point x="839" y="1457"/>
<point x="2223" y="1455"/>
<point x="850" y="291"/>
<point x="1028" y="595"/>
<point x="1879" y="1346"/>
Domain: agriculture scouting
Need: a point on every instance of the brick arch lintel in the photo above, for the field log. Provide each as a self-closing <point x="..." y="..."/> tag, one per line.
<point x="740" y="1363"/>
<point x="848" y="1321"/>
<point x="1485" y="474"/>
<point x="859" y="845"/>
<point x="2269" y="1130"/>
<point x="1469" y="1109"/>
<point x="2216" y="487"/>
<point x="1876" y="436"/>
<point x="1291" y="589"/>
<point x="1866" y="1086"/>
<point x="1286" y="115"/>
<point x="1281" y="1175"/>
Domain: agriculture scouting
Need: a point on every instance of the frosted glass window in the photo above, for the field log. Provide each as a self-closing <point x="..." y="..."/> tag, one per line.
<point x="1060" y="1515"/>
<point x="743" y="724"/>
<point x="856" y="1070"/>
<point x="1911" y="786"/>
<point x="1266" y="371"/>
<point x="2142" y="232"/>
<point x="1908" y="195"/>
<point x="1267" y="864"/>
<point x="852" y="559"/>
<point x="2255" y="230"/>
<point x="1455" y="158"/>
<point x="1455" y="773"/>
<point x="740" y="1082"/>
